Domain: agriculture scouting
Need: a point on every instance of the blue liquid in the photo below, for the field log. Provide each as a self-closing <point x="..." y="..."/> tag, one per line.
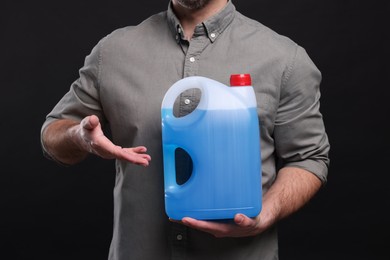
<point x="225" y="149"/>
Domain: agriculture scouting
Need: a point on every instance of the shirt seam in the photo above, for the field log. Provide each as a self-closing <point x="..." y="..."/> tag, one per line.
<point x="290" y="68"/>
<point x="100" y="62"/>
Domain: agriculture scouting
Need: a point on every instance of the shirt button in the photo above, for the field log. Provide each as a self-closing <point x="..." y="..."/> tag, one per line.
<point x="179" y="237"/>
<point x="212" y="35"/>
<point x="187" y="101"/>
<point x="192" y="59"/>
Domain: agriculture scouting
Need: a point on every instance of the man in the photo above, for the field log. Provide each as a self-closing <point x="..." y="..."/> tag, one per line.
<point x="121" y="85"/>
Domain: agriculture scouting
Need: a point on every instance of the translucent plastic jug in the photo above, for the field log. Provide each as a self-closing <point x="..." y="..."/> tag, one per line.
<point x="222" y="137"/>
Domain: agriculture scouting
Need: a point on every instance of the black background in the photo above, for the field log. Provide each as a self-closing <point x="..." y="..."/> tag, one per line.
<point x="54" y="212"/>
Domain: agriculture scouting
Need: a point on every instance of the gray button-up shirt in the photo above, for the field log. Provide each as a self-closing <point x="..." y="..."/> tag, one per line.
<point x="123" y="82"/>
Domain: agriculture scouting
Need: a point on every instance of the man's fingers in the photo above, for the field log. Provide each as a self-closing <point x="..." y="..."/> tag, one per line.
<point x="90" y="122"/>
<point x="134" y="155"/>
<point x="140" y="149"/>
<point x="243" y="221"/>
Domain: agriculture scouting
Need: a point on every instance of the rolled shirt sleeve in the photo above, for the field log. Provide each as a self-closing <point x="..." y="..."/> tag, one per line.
<point x="299" y="133"/>
<point x="82" y="99"/>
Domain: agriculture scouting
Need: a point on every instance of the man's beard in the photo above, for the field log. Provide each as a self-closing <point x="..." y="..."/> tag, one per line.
<point x="193" y="4"/>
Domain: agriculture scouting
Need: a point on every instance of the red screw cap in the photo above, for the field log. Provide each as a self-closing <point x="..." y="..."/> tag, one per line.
<point x="238" y="80"/>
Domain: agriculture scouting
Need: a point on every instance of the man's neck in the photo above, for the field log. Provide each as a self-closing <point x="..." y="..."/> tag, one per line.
<point x="190" y="18"/>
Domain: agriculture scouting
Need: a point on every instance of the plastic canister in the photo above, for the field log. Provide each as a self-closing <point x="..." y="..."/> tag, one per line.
<point x="222" y="137"/>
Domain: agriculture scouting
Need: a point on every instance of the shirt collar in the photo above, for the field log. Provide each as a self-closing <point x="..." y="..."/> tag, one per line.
<point x="212" y="27"/>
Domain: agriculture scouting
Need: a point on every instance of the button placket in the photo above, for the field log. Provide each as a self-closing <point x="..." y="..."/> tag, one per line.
<point x="178" y="241"/>
<point x="195" y="48"/>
